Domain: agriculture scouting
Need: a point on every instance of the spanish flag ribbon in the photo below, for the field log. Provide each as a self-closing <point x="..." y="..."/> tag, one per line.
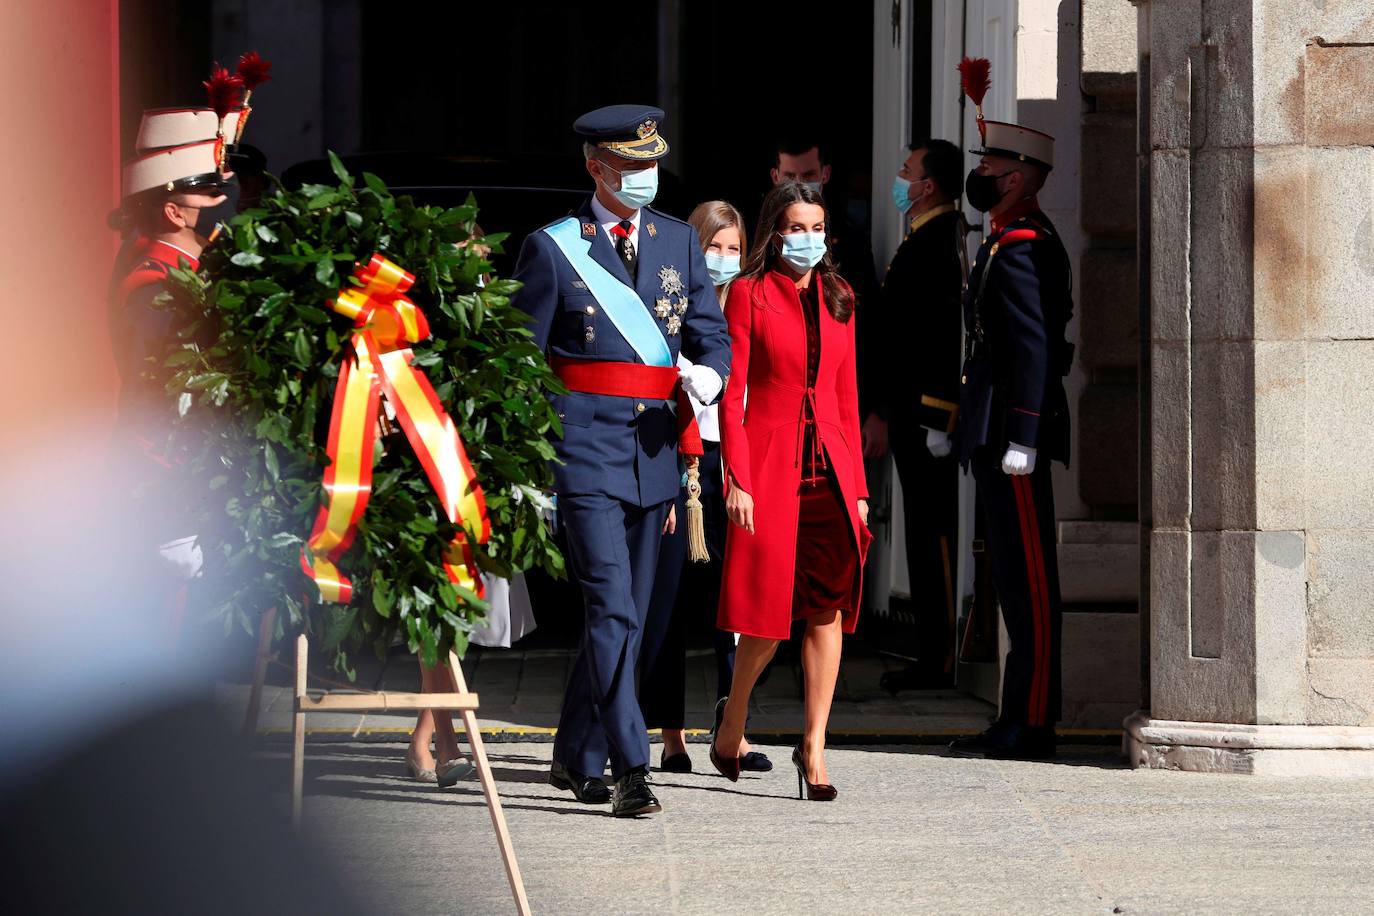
<point x="385" y="323"/>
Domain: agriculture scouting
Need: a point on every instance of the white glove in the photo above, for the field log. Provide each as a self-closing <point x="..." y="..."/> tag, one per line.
<point x="181" y="558"/>
<point x="545" y="504"/>
<point x="702" y="383"/>
<point x="938" y="442"/>
<point x="1019" y="459"/>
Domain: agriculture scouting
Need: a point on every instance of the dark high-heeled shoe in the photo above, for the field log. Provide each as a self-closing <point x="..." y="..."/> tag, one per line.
<point x="675" y="763"/>
<point x="726" y="766"/>
<point x="815" y="791"/>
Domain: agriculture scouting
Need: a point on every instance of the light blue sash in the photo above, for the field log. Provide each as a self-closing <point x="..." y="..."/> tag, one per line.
<point x="620" y="303"/>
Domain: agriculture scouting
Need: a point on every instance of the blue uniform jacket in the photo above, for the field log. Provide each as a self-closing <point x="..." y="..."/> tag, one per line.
<point x="625" y="448"/>
<point x="1016" y="356"/>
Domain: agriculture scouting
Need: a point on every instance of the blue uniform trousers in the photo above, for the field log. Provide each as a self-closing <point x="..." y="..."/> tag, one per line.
<point x="613" y="552"/>
<point x="1019" y="512"/>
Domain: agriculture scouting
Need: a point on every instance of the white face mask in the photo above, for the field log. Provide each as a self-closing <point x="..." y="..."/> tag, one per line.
<point x="637" y="188"/>
<point x="722" y="267"/>
<point x="803" y="250"/>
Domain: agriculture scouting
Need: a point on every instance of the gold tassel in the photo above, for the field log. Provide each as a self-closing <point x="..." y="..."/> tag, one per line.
<point x="696" y="519"/>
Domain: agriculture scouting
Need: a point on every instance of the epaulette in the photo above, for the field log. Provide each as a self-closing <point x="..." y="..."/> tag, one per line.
<point x="1012" y="236"/>
<point x="148" y="272"/>
<point x="589" y="226"/>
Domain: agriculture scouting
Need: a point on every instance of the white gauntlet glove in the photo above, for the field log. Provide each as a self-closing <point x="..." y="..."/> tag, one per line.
<point x="1019" y="459"/>
<point x="702" y="383"/>
<point x="938" y="443"/>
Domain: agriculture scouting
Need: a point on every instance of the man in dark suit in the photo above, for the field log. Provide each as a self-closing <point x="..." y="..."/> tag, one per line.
<point x="1014" y="420"/>
<point x="615" y="292"/>
<point x="919" y="331"/>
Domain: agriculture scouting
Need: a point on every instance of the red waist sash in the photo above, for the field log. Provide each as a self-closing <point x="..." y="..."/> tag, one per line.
<point x="633" y="380"/>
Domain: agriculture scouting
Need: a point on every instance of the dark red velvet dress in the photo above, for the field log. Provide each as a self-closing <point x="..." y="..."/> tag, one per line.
<point x="827" y="557"/>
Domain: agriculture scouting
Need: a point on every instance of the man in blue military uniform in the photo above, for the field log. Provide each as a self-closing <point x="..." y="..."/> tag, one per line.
<point x="1013" y="421"/>
<point x="615" y="291"/>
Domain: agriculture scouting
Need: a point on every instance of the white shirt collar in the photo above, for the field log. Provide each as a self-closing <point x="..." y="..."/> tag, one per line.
<point x="607" y="219"/>
<point x="189" y="256"/>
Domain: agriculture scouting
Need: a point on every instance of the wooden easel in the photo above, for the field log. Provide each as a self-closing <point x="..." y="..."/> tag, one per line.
<point x="460" y="701"/>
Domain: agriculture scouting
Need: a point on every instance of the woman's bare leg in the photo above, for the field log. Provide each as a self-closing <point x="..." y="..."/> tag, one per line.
<point x="821" y="665"/>
<point x="751" y="657"/>
<point x="423" y="734"/>
<point x="440" y="680"/>
<point x="673" y="742"/>
<point x="420" y="739"/>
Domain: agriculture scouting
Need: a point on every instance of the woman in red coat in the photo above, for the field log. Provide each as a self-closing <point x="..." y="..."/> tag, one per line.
<point x="795" y="489"/>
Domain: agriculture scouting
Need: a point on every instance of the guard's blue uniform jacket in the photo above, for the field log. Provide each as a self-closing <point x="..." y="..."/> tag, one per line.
<point x="622" y="447"/>
<point x="1018" y="302"/>
<point x="618" y="466"/>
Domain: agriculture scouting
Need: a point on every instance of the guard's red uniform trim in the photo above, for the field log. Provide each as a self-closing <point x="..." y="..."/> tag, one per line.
<point x="1040" y="599"/>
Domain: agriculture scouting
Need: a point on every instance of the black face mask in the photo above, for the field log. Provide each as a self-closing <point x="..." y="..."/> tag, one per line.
<point x="981" y="190"/>
<point x="222" y="212"/>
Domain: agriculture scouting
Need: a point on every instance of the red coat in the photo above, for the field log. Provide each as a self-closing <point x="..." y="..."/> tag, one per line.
<point x="760" y="446"/>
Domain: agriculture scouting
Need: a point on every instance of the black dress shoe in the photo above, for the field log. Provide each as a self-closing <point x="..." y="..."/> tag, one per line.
<point x="1008" y="741"/>
<point x="754" y="762"/>
<point x="675" y="763"/>
<point x="633" y="796"/>
<point x="587" y="789"/>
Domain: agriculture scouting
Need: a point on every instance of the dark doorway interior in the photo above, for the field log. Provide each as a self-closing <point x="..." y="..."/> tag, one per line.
<point x="753" y="72"/>
<point x="164" y="53"/>
<point x="506" y="81"/>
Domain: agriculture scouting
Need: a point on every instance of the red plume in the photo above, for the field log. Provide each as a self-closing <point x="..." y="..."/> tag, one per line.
<point x="253" y="70"/>
<point x="975" y="73"/>
<point x="224" y="90"/>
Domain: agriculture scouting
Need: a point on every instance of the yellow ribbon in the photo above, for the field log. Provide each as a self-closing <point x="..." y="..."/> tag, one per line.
<point x="385" y="322"/>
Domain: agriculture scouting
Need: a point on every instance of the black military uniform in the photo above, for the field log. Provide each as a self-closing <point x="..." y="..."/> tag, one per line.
<point x="1012" y="403"/>
<point x="920" y="333"/>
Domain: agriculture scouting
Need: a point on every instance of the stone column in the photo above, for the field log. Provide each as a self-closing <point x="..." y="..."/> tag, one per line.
<point x="1262" y="386"/>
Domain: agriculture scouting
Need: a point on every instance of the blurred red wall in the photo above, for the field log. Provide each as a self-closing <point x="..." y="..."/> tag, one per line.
<point x="59" y="178"/>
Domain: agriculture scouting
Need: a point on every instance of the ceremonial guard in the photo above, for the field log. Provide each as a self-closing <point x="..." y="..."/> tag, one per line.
<point x="1013" y="417"/>
<point x="171" y="197"/>
<point x="615" y="292"/>
<point x="177" y="192"/>
<point x="919" y="330"/>
<point x="225" y="119"/>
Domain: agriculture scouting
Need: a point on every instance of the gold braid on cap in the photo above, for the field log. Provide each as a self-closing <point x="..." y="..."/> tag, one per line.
<point x="645" y="133"/>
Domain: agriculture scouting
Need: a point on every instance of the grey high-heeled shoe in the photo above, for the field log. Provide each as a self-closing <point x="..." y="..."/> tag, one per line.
<point x="450" y="771"/>
<point x="417" y="772"/>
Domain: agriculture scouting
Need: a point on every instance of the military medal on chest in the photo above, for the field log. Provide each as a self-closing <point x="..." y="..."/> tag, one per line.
<point x="672" y="305"/>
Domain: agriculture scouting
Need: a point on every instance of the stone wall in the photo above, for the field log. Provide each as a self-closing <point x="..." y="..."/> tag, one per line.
<point x="1262" y="253"/>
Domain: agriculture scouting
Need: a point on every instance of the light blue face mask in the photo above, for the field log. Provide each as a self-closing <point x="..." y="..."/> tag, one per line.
<point x="637" y="188"/>
<point x="901" y="194"/>
<point x="803" y="250"/>
<point x="722" y="267"/>
<point x="816" y="186"/>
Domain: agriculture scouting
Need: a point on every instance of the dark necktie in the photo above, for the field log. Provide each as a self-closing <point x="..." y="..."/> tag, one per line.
<point x="626" y="249"/>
